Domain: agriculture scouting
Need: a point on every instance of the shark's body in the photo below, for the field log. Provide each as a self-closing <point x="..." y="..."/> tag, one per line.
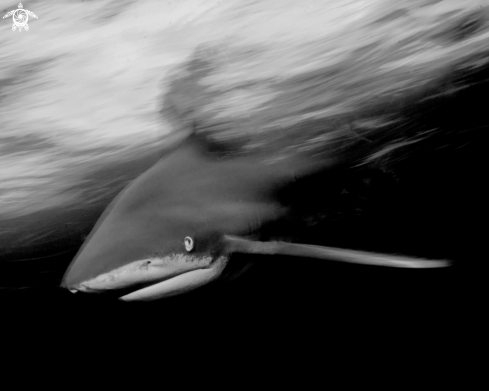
<point x="139" y="248"/>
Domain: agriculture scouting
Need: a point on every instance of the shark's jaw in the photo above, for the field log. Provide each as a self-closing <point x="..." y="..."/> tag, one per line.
<point x="155" y="278"/>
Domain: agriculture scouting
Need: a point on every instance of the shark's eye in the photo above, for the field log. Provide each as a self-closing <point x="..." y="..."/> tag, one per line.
<point x="189" y="243"/>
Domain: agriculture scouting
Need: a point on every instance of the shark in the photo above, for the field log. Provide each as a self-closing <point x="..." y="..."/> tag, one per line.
<point x="174" y="228"/>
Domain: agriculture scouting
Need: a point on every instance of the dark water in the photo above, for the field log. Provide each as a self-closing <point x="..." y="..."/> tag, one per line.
<point x="279" y="317"/>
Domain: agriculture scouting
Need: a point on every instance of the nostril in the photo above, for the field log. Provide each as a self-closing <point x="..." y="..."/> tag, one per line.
<point x="146" y="264"/>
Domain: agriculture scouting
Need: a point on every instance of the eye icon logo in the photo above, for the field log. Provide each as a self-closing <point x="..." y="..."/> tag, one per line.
<point x="20" y="16"/>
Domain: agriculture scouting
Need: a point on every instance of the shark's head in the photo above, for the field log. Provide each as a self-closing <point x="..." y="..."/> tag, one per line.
<point x="165" y="233"/>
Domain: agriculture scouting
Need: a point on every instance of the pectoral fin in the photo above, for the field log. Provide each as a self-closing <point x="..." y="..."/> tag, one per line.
<point x="240" y="245"/>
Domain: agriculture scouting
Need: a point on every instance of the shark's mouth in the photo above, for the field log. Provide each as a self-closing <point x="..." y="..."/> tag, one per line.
<point x="156" y="278"/>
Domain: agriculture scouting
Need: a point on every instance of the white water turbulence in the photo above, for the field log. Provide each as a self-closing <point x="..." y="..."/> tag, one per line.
<point x="80" y="90"/>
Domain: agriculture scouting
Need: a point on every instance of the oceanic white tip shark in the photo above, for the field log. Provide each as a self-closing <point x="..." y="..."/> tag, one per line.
<point x="174" y="228"/>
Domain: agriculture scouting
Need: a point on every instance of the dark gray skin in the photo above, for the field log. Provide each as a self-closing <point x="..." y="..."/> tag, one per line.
<point x="173" y="228"/>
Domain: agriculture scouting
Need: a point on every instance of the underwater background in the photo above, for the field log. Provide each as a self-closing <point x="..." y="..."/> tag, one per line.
<point x="95" y="91"/>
